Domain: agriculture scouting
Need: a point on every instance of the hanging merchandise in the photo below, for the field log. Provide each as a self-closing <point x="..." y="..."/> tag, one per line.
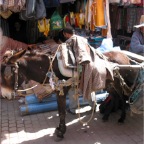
<point x="6" y="14"/>
<point x="135" y="1"/>
<point x="82" y="14"/>
<point x="1" y="3"/>
<point x="104" y="32"/>
<point x="98" y="15"/>
<point x="51" y="3"/>
<point x="83" y="6"/>
<point x="77" y="20"/>
<point x="81" y="20"/>
<point x="56" y="22"/>
<point x="16" y="5"/>
<point x="78" y="4"/>
<point x="66" y="20"/>
<point x="114" y="1"/>
<point x="88" y="14"/>
<point x="12" y="5"/>
<point x="141" y="3"/>
<point x="72" y="19"/>
<point x="66" y="1"/>
<point x="44" y="26"/>
<point x="35" y="9"/>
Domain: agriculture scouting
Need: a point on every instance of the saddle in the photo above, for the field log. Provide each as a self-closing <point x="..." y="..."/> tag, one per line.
<point x="66" y="61"/>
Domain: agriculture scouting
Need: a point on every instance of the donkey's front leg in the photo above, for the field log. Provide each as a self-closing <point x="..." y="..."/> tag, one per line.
<point x="61" y="129"/>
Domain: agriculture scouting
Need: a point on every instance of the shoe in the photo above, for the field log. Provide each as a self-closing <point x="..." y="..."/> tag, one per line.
<point x="73" y="113"/>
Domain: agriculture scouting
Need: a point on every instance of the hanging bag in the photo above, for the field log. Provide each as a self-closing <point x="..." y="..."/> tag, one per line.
<point x="44" y="26"/>
<point x="56" y="22"/>
<point x="40" y="10"/>
<point x="35" y="10"/>
<point x="29" y="12"/>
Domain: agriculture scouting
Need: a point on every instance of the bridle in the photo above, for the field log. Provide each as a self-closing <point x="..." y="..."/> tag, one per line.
<point x="13" y="68"/>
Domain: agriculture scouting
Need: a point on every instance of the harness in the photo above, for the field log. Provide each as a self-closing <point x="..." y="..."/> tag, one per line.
<point x="54" y="82"/>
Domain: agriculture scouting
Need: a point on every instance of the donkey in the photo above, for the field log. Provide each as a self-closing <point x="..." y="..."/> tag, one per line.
<point x="34" y="66"/>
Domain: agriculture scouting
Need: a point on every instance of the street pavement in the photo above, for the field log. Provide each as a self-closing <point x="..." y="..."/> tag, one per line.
<point x="39" y="128"/>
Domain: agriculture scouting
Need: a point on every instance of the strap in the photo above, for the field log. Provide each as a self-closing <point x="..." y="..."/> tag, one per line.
<point x="51" y="62"/>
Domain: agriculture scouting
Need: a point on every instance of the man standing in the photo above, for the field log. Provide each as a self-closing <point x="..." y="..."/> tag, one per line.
<point x="137" y="40"/>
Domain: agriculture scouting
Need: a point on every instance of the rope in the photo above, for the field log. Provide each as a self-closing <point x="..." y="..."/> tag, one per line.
<point x="27" y="88"/>
<point x="86" y="122"/>
<point x="50" y="67"/>
<point x="122" y="82"/>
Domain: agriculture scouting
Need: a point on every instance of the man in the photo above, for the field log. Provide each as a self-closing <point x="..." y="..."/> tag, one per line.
<point x="68" y="32"/>
<point x="137" y="40"/>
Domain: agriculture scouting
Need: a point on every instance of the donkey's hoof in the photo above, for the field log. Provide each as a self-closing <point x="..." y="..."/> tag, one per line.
<point x="57" y="138"/>
<point x="59" y="135"/>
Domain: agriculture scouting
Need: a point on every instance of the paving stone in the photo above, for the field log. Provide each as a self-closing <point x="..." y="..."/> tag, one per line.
<point x="20" y="122"/>
<point x="5" y="129"/>
<point x="39" y="128"/>
<point x="12" y="129"/>
<point x="12" y="121"/>
<point x="4" y="114"/>
<point x="4" y="125"/>
<point x="20" y="125"/>
<point x="12" y="125"/>
<point x="20" y="129"/>
<point x="27" y="122"/>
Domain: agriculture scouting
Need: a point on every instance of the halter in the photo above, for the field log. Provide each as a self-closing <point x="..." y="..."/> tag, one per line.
<point x="14" y="67"/>
<point x="14" y="93"/>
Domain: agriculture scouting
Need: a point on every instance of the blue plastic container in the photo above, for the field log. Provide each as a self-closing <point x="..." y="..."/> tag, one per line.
<point x="44" y="107"/>
<point x="32" y="99"/>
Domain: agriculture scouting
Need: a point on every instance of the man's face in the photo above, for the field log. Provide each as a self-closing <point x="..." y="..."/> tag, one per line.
<point x="66" y="35"/>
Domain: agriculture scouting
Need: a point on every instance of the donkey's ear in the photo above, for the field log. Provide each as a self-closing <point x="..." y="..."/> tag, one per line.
<point x="16" y="56"/>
